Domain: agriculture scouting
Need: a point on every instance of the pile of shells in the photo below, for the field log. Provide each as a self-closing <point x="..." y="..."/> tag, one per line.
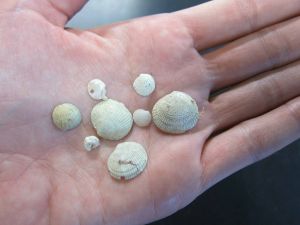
<point x="175" y="113"/>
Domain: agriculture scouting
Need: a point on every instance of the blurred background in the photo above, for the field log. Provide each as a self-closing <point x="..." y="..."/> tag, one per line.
<point x="266" y="193"/>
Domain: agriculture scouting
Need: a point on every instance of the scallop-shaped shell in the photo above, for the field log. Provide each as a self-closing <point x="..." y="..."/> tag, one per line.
<point x="111" y="119"/>
<point x="91" y="142"/>
<point x="97" y="89"/>
<point x="66" y="116"/>
<point x="142" y="118"/>
<point x="144" y="84"/>
<point x="175" y="113"/>
<point x="127" y="161"/>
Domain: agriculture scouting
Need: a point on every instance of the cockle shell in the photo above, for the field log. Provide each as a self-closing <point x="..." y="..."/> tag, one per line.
<point x="142" y="118"/>
<point x="127" y="161"/>
<point x="66" y="116"/>
<point x="144" y="84"/>
<point x="91" y="142"/>
<point x="111" y="119"/>
<point x="175" y="113"/>
<point x="97" y="89"/>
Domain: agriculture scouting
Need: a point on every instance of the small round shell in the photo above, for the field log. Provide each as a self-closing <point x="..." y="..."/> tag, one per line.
<point x="144" y="84"/>
<point x="91" y="142"/>
<point x="175" y="113"/>
<point x="66" y="116"/>
<point x="97" y="89"/>
<point x="111" y="119"/>
<point x="127" y="161"/>
<point x="142" y="118"/>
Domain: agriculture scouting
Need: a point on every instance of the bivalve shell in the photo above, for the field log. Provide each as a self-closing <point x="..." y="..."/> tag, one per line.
<point x="111" y="119"/>
<point x="144" y="84"/>
<point x="142" y="118"/>
<point x="97" y="89"/>
<point x="91" y="142"/>
<point x="175" y="113"/>
<point x="66" y="116"/>
<point x="127" y="161"/>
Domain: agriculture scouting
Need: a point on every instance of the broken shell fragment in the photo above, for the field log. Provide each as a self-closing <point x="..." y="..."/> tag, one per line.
<point x="66" y="116"/>
<point x="111" y="119"/>
<point x="91" y="142"/>
<point x="175" y="113"/>
<point x="142" y="118"/>
<point x="97" y="89"/>
<point x="144" y="84"/>
<point x="127" y="161"/>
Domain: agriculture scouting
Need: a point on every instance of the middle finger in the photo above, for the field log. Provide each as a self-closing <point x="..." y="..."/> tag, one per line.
<point x="264" y="50"/>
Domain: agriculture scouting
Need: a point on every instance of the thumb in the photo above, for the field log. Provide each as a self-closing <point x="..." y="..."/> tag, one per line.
<point x="57" y="12"/>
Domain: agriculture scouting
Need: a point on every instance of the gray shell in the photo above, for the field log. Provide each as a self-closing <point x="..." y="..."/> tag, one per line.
<point x="144" y="84"/>
<point x="127" y="161"/>
<point x="175" y="113"/>
<point x="66" y="116"/>
<point x="111" y="119"/>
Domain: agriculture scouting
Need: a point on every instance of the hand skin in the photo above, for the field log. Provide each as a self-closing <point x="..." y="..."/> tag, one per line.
<point x="45" y="175"/>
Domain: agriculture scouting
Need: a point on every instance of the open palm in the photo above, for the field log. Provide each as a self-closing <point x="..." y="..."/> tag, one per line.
<point x="45" y="175"/>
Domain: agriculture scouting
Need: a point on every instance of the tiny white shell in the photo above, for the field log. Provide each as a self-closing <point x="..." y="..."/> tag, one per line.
<point x="97" y="89"/>
<point x="111" y="119"/>
<point x="127" y="161"/>
<point x="175" y="113"/>
<point x="66" y="116"/>
<point x="91" y="142"/>
<point x="144" y="84"/>
<point x="142" y="118"/>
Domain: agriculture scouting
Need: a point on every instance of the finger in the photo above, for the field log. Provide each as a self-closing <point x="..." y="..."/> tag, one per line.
<point x="259" y="52"/>
<point x="251" y="141"/>
<point x="220" y="21"/>
<point x="257" y="96"/>
<point x="57" y="12"/>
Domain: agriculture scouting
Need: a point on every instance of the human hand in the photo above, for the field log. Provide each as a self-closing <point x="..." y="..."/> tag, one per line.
<point x="45" y="175"/>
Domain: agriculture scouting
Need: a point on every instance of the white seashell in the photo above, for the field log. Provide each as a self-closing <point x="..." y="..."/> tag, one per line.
<point x="91" y="142"/>
<point x="175" y="113"/>
<point x="127" y="161"/>
<point x="144" y="84"/>
<point x="111" y="119"/>
<point x="66" y="116"/>
<point x="97" y="89"/>
<point x="142" y="118"/>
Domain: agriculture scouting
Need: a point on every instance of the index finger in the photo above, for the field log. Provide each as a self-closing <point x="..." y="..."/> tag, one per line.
<point x="218" y="22"/>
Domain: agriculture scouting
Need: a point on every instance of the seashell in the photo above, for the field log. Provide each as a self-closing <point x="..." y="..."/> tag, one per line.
<point x="144" y="84"/>
<point x="97" y="89"/>
<point x="111" y="119"/>
<point x="175" y="113"/>
<point x="91" y="142"/>
<point x="66" y="116"/>
<point x="142" y="118"/>
<point x="127" y="161"/>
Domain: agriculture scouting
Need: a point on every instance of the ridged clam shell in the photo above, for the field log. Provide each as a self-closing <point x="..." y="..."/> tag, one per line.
<point x="127" y="161"/>
<point x="142" y="118"/>
<point x="66" y="116"/>
<point x="111" y="119"/>
<point x="175" y="113"/>
<point x="144" y="84"/>
<point x="97" y="89"/>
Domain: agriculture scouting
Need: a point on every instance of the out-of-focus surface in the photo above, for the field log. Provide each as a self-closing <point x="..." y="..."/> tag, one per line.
<point x="267" y="192"/>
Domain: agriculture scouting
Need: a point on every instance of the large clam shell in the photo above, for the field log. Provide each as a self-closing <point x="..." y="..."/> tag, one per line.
<point x="175" y="113"/>
<point x="127" y="161"/>
<point x="111" y="119"/>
